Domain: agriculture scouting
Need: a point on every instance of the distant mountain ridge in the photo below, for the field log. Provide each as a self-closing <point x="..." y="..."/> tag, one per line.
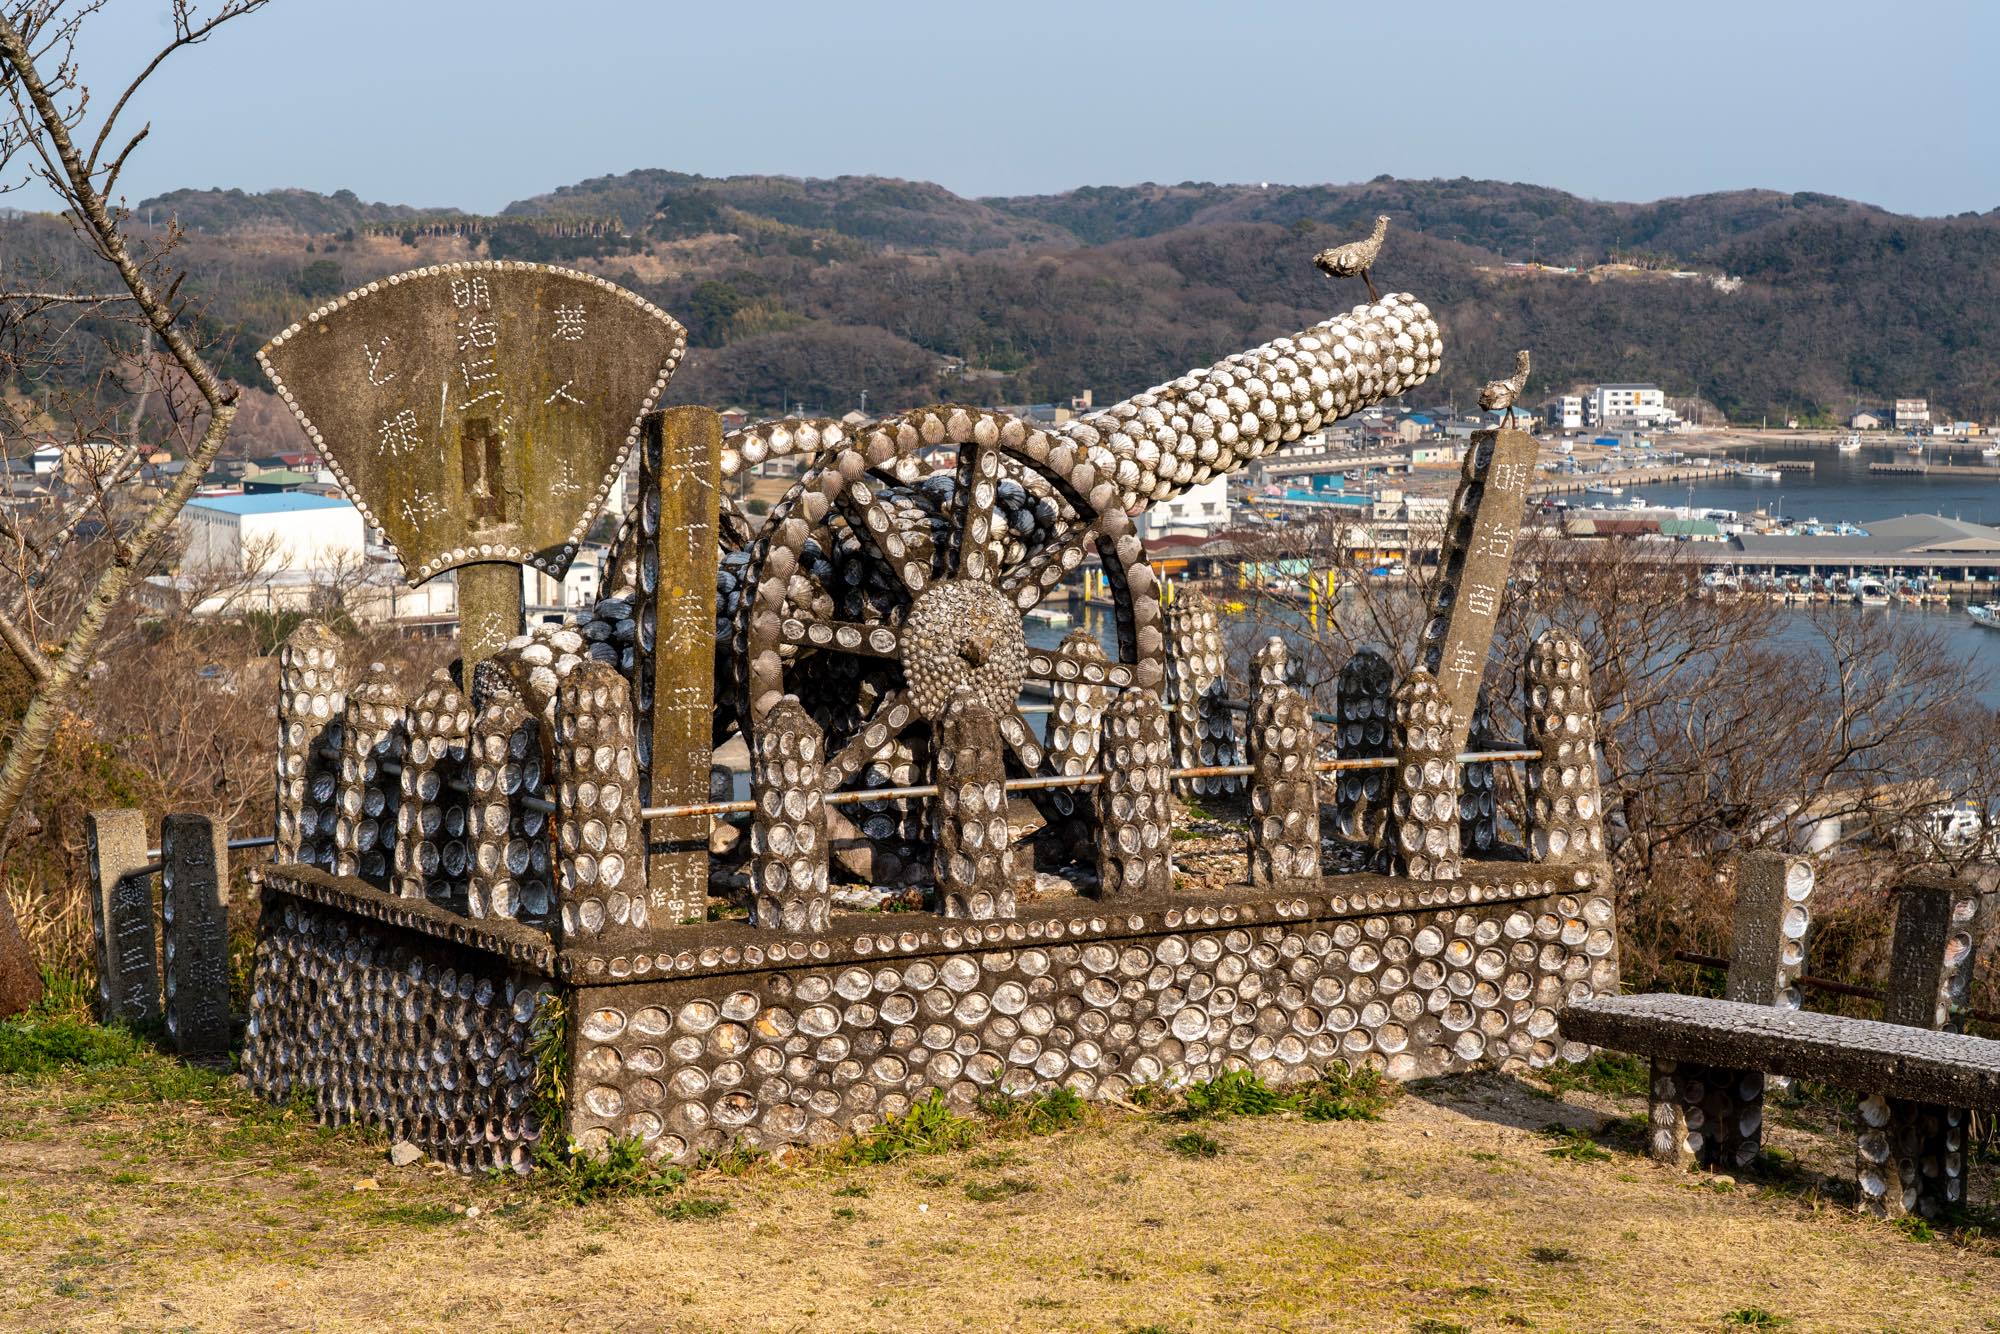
<point x="815" y="290"/>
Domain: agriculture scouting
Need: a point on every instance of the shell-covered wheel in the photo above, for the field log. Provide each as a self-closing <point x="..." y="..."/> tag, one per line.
<point x="895" y="574"/>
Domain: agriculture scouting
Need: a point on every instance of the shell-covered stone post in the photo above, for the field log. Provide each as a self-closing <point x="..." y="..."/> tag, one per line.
<point x="1425" y="807"/>
<point x="972" y="843"/>
<point x="1076" y="725"/>
<point x="1284" y="793"/>
<point x="1478" y="801"/>
<point x="1270" y="669"/>
<point x="788" y="839"/>
<point x="1134" y="822"/>
<point x="311" y="700"/>
<point x="1565" y="812"/>
<point x="1076" y="734"/>
<point x="1910" y="1156"/>
<point x="511" y="874"/>
<point x="1366" y="732"/>
<point x="600" y="884"/>
<point x="432" y="857"/>
<point x="1204" y="732"/>
<point x="373" y="740"/>
<point x="1768" y="944"/>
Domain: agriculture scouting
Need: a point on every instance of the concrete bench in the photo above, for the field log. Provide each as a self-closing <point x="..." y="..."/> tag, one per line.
<point x="1710" y="1058"/>
<point x="1919" y="1079"/>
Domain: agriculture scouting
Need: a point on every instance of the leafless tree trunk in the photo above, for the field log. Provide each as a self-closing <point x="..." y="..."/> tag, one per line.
<point x="46" y="113"/>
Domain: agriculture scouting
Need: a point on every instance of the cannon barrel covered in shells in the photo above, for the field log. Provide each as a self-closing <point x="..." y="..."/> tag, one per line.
<point x="1209" y="422"/>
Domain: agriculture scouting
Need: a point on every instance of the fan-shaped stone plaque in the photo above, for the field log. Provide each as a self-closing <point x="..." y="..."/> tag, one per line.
<point x="478" y="411"/>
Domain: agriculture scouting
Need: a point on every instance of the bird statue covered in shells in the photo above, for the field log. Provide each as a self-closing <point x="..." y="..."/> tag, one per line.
<point x="1501" y="395"/>
<point x="1356" y="258"/>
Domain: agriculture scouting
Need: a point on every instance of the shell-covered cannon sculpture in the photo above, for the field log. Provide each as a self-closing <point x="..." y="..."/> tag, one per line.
<point x="488" y="926"/>
<point x="899" y="567"/>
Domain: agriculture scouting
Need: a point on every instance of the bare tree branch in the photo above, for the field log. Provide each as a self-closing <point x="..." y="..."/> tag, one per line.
<point x="24" y="648"/>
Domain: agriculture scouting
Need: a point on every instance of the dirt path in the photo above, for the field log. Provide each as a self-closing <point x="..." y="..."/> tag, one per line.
<point x="152" y="1199"/>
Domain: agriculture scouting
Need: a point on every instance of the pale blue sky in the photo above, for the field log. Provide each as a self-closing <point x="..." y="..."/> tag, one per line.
<point x="451" y="102"/>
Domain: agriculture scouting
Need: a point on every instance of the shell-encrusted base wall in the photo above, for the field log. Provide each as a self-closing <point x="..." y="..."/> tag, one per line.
<point x="394" y="1011"/>
<point x="383" y="1024"/>
<point x="1409" y="979"/>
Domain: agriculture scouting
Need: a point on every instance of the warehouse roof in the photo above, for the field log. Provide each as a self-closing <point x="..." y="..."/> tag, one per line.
<point x="276" y="502"/>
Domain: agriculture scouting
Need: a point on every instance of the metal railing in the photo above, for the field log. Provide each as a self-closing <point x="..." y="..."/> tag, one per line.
<point x="1043" y="781"/>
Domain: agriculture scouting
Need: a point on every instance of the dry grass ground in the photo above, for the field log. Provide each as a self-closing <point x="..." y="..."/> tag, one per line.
<point x="139" y="1195"/>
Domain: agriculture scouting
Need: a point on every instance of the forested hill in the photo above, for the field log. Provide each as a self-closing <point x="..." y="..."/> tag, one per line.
<point x="816" y="290"/>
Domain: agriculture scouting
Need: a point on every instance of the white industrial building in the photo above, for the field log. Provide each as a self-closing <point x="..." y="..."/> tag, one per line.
<point x="268" y="534"/>
<point x="1196" y="512"/>
<point x="1628" y="405"/>
<point x="1564" y="412"/>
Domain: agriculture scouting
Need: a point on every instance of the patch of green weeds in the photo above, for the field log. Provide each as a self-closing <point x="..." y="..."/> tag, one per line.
<point x="1613" y="1074"/>
<point x="415" y="1214"/>
<point x="852" y="1191"/>
<point x="1006" y="1188"/>
<point x="1194" y="1144"/>
<point x="846" y="1215"/>
<point x="739" y="1159"/>
<point x="1551" y="1255"/>
<point x="1231" y="1093"/>
<point x="1916" y="1228"/>
<point x="1754" y="1317"/>
<point x="1429" y="1324"/>
<point x="930" y="1126"/>
<point x="1573" y="1145"/>
<point x="692" y="1209"/>
<point x="1043" y="1114"/>
<point x="1344" y="1095"/>
<point x="42" y="1046"/>
<point x="621" y="1170"/>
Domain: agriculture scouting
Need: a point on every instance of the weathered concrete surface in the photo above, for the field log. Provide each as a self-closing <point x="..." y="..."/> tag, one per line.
<point x="121" y="900"/>
<point x="1862" y="1054"/>
<point x="1479" y="540"/>
<point x="477" y="412"/>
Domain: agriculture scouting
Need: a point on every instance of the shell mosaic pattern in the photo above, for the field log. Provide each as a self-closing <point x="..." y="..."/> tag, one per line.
<point x="1910" y="1157"/>
<point x="1213" y="420"/>
<point x="433" y="853"/>
<point x="805" y="1056"/>
<point x="1198" y="696"/>
<point x="1134" y="810"/>
<point x="962" y="640"/>
<point x="1706" y="1116"/>
<point x="373" y="739"/>
<point x="512" y="872"/>
<point x="311" y="700"/>
<point x="551" y="565"/>
<point x="812" y="587"/>
<point x="601" y="897"/>
<point x="972" y="846"/>
<point x="1366" y="731"/>
<point x="1077" y="719"/>
<point x="1478" y="802"/>
<point x="788" y="842"/>
<point x="1768" y="942"/>
<point x="1565" y="812"/>
<point x="1933" y="952"/>
<point x="1424" y="810"/>
<point x="1284" y="792"/>
<point x="425" y="1039"/>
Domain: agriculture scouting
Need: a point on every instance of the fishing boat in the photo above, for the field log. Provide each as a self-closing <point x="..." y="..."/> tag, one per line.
<point x="1603" y="489"/>
<point x="1868" y="591"/>
<point x="1986" y="614"/>
<point x="1850" y="444"/>
<point x="1759" y="473"/>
